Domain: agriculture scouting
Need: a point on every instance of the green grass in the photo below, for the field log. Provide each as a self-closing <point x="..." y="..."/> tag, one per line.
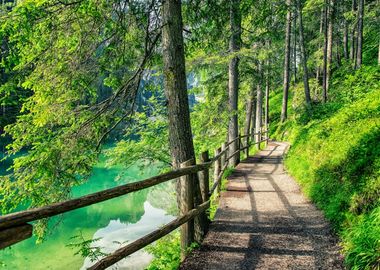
<point x="335" y="156"/>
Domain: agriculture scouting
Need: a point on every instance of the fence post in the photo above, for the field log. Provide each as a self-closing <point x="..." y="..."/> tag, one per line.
<point x="204" y="178"/>
<point x="238" y="148"/>
<point x="217" y="170"/>
<point x="258" y="139"/>
<point x="204" y="181"/>
<point x="185" y="187"/>
<point x="224" y="156"/>
<point x="247" y="145"/>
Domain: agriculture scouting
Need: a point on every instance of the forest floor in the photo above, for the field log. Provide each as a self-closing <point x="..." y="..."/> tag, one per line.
<point x="265" y="222"/>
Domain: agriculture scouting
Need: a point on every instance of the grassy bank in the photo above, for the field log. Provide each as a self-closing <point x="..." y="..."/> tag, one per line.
<point x="335" y="156"/>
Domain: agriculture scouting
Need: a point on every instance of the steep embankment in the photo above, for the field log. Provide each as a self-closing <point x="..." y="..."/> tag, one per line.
<point x="335" y="156"/>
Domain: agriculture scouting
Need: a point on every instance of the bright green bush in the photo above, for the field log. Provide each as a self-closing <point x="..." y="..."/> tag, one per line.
<point x="166" y="252"/>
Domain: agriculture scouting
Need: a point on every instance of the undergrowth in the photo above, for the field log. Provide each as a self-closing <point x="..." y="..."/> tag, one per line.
<point x="335" y="156"/>
<point x="167" y="250"/>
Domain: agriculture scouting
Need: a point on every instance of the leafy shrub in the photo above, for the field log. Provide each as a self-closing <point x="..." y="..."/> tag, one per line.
<point x="166" y="252"/>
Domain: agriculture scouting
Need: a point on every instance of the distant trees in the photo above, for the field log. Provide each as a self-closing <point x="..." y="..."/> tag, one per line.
<point x="341" y="36"/>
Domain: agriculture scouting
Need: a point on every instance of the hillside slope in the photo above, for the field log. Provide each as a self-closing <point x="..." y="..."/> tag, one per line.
<point x="335" y="156"/>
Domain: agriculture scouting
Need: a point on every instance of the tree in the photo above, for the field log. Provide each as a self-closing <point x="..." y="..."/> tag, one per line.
<point x="294" y="49"/>
<point x="267" y="86"/>
<point x="259" y="105"/>
<point x="180" y="135"/>
<point x="330" y="32"/>
<point x="248" y="115"/>
<point x="233" y="78"/>
<point x="254" y="108"/>
<point x="321" y="32"/>
<point x="64" y="55"/>
<point x="354" y="40"/>
<point x="325" y="49"/>
<point x="345" y="35"/>
<point x="359" y="50"/>
<point x="303" y="54"/>
<point x="284" y="110"/>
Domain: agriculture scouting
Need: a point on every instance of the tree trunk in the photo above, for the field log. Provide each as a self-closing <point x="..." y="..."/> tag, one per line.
<point x="359" y="52"/>
<point x="331" y="8"/>
<point x="259" y="107"/>
<point x="254" y="106"/>
<point x="284" y="111"/>
<point x="325" y="46"/>
<point x="353" y="34"/>
<point x="295" y="45"/>
<point x="248" y="117"/>
<point x="180" y="134"/>
<point x="233" y="79"/>
<point x="338" y="7"/>
<point x="321" y="24"/>
<point x="303" y="55"/>
<point x="378" y="57"/>
<point x="267" y="87"/>
<point x="337" y="50"/>
<point x="345" y="40"/>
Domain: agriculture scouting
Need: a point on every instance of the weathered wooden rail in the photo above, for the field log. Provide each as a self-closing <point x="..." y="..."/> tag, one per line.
<point x="14" y="227"/>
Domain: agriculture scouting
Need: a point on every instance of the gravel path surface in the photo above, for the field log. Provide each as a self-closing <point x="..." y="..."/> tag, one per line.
<point x="264" y="222"/>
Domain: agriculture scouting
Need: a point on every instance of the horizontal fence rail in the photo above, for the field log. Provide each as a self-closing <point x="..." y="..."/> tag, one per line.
<point x="149" y="238"/>
<point x="22" y="217"/>
<point x="14" y="227"/>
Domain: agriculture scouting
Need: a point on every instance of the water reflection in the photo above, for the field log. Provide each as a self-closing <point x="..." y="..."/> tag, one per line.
<point x="125" y="233"/>
<point x="122" y="219"/>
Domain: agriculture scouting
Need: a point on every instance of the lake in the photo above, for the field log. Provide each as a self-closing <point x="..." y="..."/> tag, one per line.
<point x="115" y="222"/>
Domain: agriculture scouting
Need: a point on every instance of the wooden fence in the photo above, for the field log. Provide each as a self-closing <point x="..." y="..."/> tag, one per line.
<point x="14" y="227"/>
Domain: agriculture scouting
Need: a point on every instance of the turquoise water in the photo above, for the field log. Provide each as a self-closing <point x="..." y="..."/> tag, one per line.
<point x="116" y="222"/>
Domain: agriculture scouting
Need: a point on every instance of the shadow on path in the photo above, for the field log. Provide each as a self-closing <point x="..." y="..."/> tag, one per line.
<point x="264" y="222"/>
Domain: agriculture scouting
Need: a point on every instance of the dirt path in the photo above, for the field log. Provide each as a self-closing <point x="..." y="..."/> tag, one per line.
<point x="264" y="222"/>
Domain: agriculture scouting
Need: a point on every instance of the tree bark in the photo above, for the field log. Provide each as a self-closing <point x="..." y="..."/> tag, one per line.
<point x="284" y="111"/>
<point x="267" y="87"/>
<point x="233" y="78"/>
<point x="325" y="50"/>
<point x="303" y="55"/>
<point x="254" y="105"/>
<point x="331" y="9"/>
<point x="180" y="134"/>
<point x="294" y="19"/>
<point x="359" y="52"/>
<point x="259" y="107"/>
<point x="337" y="50"/>
<point x="353" y="34"/>
<point x="248" y="118"/>
<point x="321" y="27"/>
<point x="345" y="40"/>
